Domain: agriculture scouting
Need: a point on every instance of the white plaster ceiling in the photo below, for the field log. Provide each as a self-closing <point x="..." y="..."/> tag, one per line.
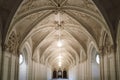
<point x="81" y="23"/>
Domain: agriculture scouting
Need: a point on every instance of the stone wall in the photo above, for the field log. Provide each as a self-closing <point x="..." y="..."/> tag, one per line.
<point x="91" y="70"/>
<point x="39" y="71"/>
<point x="118" y="53"/>
<point x="32" y="70"/>
<point x="78" y="72"/>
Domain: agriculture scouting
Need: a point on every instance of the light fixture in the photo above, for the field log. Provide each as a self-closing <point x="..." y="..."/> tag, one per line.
<point x="59" y="56"/>
<point x="60" y="64"/>
<point x="59" y="43"/>
<point x="59" y="60"/>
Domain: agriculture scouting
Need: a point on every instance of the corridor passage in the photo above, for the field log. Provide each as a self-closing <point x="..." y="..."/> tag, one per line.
<point x="59" y="40"/>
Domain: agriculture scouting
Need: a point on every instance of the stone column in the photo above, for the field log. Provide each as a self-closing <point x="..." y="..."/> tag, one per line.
<point x="0" y="47"/>
<point x="30" y="68"/>
<point x="117" y="61"/>
<point x="108" y="63"/>
<point x="101" y="66"/>
<point x="89" y="66"/>
<point x="112" y="62"/>
<point x="10" y="66"/>
<point x="0" y="62"/>
<point x="16" y="64"/>
<point x="5" y="66"/>
<point x="101" y="63"/>
<point x="104" y="63"/>
<point x="10" y="58"/>
<point x="117" y="55"/>
<point x="33" y="70"/>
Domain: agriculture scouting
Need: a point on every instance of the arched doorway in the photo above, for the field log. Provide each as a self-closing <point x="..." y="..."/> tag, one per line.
<point x="59" y="73"/>
<point x="54" y="74"/>
<point x="65" y="74"/>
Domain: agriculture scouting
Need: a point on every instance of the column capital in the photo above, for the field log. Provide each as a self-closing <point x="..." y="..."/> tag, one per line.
<point x="112" y="49"/>
<point x="102" y="50"/>
<point x="107" y="49"/>
<point x="12" y="43"/>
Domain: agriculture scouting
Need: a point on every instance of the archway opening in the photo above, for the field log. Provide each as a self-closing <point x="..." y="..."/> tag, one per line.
<point x="64" y="74"/>
<point x="23" y="65"/>
<point x="59" y="74"/>
<point x="54" y="74"/>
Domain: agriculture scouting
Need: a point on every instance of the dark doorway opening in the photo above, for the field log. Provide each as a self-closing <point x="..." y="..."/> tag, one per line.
<point x="54" y="74"/>
<point x="65" y="74"/>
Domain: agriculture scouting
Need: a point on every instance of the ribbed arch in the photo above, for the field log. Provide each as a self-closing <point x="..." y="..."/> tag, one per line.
<point x="78" y="28"/>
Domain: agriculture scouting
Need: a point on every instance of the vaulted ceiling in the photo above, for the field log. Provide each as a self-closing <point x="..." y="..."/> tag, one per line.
<point x="109" y="8"/>
<point x="80" y="22"/>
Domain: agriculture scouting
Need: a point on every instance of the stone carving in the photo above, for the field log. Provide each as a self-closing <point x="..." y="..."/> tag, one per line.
<point x="32" y="4"/>
<point x="108" y="44"/>
<point x="108" y="47"/>
<point x="12" y="44"/>
<point x="101" y="50"/>
<point x="111" y="49"/>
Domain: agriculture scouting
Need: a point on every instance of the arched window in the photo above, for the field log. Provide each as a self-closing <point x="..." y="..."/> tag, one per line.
<point x="23" y="65"/>
<point x="21" y="59"/>
<point x="95" y="65"/>
<point x="98" y="58"/>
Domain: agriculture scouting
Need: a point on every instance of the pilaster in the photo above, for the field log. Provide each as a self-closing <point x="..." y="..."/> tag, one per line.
<point x="10" y="67"/>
